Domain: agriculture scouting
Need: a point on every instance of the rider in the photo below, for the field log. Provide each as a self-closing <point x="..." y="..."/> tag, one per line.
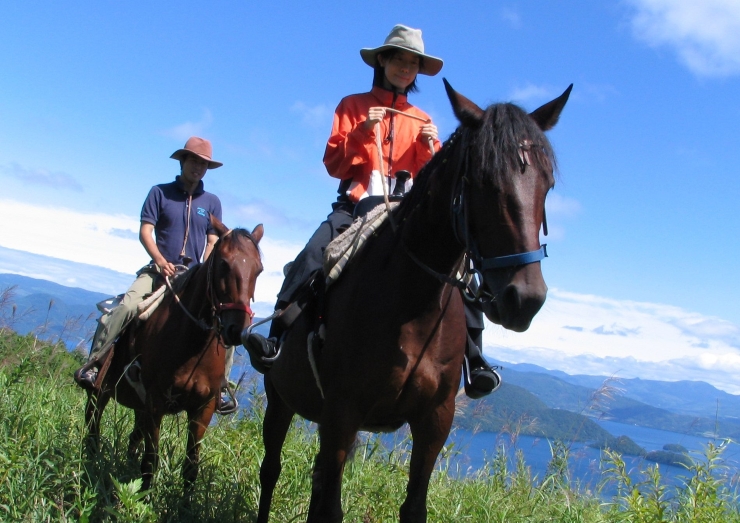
<point x="178" y="213"/>
<point x="351" y="155"/>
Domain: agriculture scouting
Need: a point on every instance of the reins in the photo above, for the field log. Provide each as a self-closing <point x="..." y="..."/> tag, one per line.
<point x="379" y="147"/>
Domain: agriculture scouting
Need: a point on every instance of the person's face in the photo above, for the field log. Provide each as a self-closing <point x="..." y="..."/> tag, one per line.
<point x="193" y="169"/>
<point x="400" y="69"/>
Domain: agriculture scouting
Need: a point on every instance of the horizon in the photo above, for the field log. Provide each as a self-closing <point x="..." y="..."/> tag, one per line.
<point x="641" y="273"/>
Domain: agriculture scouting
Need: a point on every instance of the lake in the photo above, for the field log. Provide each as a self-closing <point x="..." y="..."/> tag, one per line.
<point x="585" y="465"/>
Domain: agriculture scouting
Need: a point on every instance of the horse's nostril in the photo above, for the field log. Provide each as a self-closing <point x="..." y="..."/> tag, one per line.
<point x="510" y="298"/>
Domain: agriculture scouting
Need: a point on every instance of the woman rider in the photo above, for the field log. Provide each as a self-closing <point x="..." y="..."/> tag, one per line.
<point x="351" y="155"/>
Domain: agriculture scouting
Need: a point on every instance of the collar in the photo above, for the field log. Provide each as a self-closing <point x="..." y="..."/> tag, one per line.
<point x="181" y="186"/>
<point x="385" y="97"/>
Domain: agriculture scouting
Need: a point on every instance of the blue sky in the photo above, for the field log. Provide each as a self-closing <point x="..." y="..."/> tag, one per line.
<point x="95" y="96"/>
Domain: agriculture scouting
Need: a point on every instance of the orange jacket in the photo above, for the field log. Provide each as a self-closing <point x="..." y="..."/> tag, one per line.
<point x="351" y="151"/>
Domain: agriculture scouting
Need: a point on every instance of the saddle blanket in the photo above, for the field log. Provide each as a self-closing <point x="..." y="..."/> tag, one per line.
<point x="345" y="246"/>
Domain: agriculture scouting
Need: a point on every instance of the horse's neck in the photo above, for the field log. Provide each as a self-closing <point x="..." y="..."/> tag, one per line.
<point x="194" y="297"/>
<point x="428" y="232"/>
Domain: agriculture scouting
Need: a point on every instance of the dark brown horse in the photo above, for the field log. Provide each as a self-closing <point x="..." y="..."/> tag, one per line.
<point x="395" y="328"/>
<point x="181" y="349"/>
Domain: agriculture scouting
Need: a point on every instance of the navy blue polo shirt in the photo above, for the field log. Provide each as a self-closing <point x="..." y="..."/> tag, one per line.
<point x="166" y="207"/>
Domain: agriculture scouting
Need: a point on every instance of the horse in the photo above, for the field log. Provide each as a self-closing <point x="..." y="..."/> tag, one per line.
<point x="394" y="323"/>
<point x="181" y="351"/>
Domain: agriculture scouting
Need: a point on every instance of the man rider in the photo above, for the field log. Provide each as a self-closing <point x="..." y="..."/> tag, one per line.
<point x="175" y="230"/>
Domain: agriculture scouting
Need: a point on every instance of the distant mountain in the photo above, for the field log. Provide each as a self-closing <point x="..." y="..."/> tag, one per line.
<point x="51" y="311"/>
<point x="514" y="410"/>
<point x="632" y="401"/>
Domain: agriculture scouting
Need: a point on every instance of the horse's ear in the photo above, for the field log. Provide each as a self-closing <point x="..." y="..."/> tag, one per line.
<point x="257" y="233"/>
<point x="221" y="229"/>
<point x="549" y="114"/>
<point x="469" y="114"/>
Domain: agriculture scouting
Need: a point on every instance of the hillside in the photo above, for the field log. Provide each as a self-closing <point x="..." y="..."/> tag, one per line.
<point x="515" y="411"/>
<point x="608" y="401"/>
<point x="49" y="310"/>
<point x="696" y="398"/>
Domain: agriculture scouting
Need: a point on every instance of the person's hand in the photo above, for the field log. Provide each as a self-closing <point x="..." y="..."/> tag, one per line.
<point x="428" y="130"/>
<point x="166" y="268"/>
<point x="374" y="115"/>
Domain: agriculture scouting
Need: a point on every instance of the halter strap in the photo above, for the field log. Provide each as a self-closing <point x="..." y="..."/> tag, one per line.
<point x="234" y="307"/>
<point x="514" y="260"/>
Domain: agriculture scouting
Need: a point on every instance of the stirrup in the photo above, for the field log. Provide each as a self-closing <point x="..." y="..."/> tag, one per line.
<point x="230" y="405"/>
<point x="83" y="378"/>
<point x="487" y="381"/>
<point x="259" y="361"/>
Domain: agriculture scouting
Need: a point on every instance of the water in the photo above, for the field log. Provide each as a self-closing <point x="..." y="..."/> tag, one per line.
<point x="474" y="450"/>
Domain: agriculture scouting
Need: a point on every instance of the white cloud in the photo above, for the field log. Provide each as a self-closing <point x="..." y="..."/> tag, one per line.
<point x="56" y="180"/>
<point x="704" y="33"/>
<point x="531" y="93"/>
<point x="513" y="17"/>
<point x="111" y="241"/>
<point x="93" y="238"/>
<point x="318" y="116"/>
<point x="185" y="130"/>
<point x="587" y="334"/>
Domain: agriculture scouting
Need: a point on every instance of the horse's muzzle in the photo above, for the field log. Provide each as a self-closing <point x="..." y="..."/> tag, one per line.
<point x="517" y="301"/>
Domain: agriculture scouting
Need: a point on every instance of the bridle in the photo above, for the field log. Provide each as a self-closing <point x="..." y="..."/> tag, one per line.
<point x="217" y="307"/>
<point x="470" y="281"/>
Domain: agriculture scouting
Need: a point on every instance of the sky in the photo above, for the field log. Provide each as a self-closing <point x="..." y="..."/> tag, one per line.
<point x="95" y="96"/>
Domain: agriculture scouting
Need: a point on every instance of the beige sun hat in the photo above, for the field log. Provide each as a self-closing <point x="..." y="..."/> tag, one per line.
<point x="199" y="147"/>
<point x="407" y="39"/>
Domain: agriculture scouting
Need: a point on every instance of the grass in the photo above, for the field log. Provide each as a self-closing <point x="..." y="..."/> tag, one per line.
<point x="46" y="475"/>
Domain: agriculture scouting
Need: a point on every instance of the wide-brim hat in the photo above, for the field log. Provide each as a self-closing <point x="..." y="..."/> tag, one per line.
<point x="199" y="147"/>
<point x="406" y="39"/>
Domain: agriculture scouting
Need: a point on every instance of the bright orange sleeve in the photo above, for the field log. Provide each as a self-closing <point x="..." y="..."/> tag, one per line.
<point x="349" y="143"/>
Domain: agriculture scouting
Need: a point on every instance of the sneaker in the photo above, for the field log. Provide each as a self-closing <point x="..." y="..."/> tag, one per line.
<point x="261" y="351"/>
<point x="480" y="379"/>
<point x="86" y="377"/>
<point x="226" y="402"/>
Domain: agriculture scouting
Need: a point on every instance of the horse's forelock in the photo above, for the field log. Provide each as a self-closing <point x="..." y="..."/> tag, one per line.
<point x="493" y="150"/>
<point x="495" y="145"/>
<point x="237" y="235"/>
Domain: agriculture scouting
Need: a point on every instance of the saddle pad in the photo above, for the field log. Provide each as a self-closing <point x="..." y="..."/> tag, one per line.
<point x="152" y="302"/>
<point x="338" y="253"/>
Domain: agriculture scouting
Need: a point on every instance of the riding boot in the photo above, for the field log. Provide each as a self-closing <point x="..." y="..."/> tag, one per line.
<point x="480" y="378"/>
<point x="263" y="351"/>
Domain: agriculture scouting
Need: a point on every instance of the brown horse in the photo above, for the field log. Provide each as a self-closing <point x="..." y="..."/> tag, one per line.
<point x="395" y="328"/>
<point x="181" y="350"/>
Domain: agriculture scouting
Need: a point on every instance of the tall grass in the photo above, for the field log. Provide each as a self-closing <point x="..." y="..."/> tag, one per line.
<point x="46" y="474"/>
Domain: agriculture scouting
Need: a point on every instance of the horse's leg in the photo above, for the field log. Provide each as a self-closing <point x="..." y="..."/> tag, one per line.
<point x="96" y="402"/>
<point x="337" y="434"/>
<point x="274" y="429"/>
<point x="151" y="423"/>
<point x="198" y="423"/>
<point x="136" y="436"/>
<point x="429" y="434"/>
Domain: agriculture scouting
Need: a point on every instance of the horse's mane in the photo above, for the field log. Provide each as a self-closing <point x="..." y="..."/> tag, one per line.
<point x="493" y="151"/>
